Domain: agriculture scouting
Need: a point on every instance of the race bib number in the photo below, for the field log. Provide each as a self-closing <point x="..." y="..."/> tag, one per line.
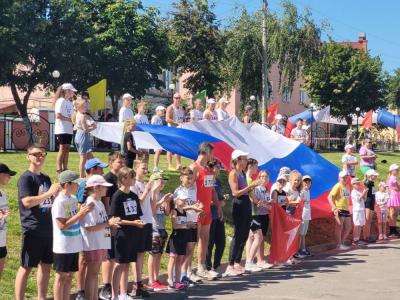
<point x="47" y="203"/>
<point x="209" y="181"/>
<point x="281" y="200"/>
<point x="373" y="191"/>
<point x="181" y="220"/>
<point x="70" y="210"/>
<point x="130" y="207"/>
<point x="346" y="194"/>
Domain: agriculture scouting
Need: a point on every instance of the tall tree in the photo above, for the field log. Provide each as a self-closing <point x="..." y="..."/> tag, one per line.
<point x="196" y="43"/>
<point x="393" y="96"/>
<point x="345" y="78"/>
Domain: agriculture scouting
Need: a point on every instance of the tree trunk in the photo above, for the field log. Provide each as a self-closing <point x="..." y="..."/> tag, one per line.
<point x="114" y="105"/>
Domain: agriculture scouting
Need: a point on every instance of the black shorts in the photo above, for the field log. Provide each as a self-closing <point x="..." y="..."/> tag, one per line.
<point x="177" y="242"/>
<point x="64" y="139"/>
<point x="3" y="252"/>
<point x="191" y="235"/>
<point x="111" y="251"/>
<point x="344" y="213"/>
<point x="146" y="238"/>
<point x="36" y="250"/>
<point x="260" y="222"/>
<point x="370" y="204"/>
<point x="158" y="242"/>
<point x="66" y="263"/>
<point x="125" y="247"/>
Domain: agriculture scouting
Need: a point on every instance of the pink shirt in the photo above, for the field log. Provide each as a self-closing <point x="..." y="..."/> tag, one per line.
<point x="366" y="161"/>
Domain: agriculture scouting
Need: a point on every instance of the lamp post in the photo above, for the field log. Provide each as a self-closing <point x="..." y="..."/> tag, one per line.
<point x="312" y="106"/>
<point x="171" y="88"/>
<point x="358" y="115"/>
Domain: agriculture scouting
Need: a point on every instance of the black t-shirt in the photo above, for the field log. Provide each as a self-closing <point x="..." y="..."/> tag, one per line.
<point x="371" y="191"/>
<point x="128" y="137"/>
<point x="127" y="207"/>
<point x="111" y="178"/>
<point x="37" y="219"/>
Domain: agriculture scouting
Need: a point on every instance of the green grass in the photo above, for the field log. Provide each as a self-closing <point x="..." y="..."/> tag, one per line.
<point x="18" y="162"/>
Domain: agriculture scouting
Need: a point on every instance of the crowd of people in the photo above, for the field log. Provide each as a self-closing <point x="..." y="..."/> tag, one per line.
<point x="90" y="223"/>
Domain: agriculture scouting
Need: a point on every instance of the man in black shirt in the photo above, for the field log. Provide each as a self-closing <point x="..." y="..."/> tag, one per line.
<point x="35" y="198"/>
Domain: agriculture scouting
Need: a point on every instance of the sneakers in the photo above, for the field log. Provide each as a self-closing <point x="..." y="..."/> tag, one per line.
<point x="264" y="265"/>
<point x="342" y="247"/>
<point x="204" y="274"/>
<point x="385" y="237"/>
<point x="186" y="281"/>
<point x="214" y="273"/>
<point x="177" y="286"/>
<point x="80" y="296"/>
<point x="251" y="267"/>
<point x="125" y="297"/>
<point x="300" y="254"/>
<point x="158" y="286"/>
<point x="231" y="271"/>
<point x="307" y="252"/>
<point x="239" y="268"/>
<point x="380" y="237"/>
<point x="105" y="293"/>
<point x="195" y="278"/>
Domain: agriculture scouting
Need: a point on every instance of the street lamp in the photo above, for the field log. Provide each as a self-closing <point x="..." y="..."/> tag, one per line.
<point x="358" y="115"/>
<point x="252" y="98"/>
<point x="171" y="88"/>
<point x="312" y="106"/>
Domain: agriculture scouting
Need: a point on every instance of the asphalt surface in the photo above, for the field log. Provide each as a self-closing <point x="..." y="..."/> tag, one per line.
<point x="363" y="273"/>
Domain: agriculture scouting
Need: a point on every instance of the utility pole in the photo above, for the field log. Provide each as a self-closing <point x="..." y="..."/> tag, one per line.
<point x="265" y="92"/>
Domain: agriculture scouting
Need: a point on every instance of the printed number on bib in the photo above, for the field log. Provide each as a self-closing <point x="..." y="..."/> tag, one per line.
<point x="281" y="200"/>
<point x="209" y="181"/>
<point x="130" y="207"/>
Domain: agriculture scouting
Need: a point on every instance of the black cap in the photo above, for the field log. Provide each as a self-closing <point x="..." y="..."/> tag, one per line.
<point x="5" y="169"/>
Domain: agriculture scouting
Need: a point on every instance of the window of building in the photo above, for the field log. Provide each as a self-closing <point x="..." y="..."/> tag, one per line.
<point x="303" y="97"/>
<point x="286" y="95"/>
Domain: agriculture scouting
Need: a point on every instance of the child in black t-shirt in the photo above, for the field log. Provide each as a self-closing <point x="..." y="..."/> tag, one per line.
<point x="125" y="205"/>
<point x="128" y="146"/>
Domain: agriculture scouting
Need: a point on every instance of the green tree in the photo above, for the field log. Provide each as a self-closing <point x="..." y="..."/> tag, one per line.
<point x="345" y="78"/>
<point x="393" y="96"/>
<point x="196" y="43"/>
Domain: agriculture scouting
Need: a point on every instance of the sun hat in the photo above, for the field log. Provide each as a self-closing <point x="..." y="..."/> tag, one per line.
<point x="96" y="180"/>
<point x="237" y="153"/>
<point x="68" y="86"/>
<point x="69" y="176"/>
<point x="372" y="172"/>
<point x="393" y="167"/>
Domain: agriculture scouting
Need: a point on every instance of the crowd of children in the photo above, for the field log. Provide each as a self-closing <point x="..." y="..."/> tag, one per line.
<point x="106" y="224"/>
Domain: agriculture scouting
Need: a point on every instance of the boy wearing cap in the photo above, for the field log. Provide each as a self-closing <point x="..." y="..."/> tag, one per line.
<point x="349" y="161"/>
<point x="5" y="176"/>
<point x="195" y="113"/>
<point x="35" y="198"/>
<point x="338" y="199"/>
<point x="63" y="127"/>
<point x="157" y="120"/>
<point x="210" y="113"/>
<point x="67" y="239"/>
<point x="125" y="112"/>
<point x="358" y="196"/>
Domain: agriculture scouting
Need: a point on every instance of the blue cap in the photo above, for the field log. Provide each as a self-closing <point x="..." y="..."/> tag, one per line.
<point x="94" y="162"/>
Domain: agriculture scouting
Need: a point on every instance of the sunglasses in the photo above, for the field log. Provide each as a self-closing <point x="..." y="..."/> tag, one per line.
<point x="39" y="154"/>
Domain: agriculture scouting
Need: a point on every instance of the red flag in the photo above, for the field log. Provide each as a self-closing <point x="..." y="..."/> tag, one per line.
<point x="272" y="111"/>
<point x="367" y="122"/>
<point x="285" y="234"/>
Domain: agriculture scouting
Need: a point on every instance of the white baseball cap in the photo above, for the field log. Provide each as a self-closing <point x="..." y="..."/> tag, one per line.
<point x="126" y="95"/>
<point x="210" y="100"/>
<point x="96" y="180"/>
<point x="343" y="174"/>
<point x="306" y="177"/>
<point x="355" y="181"/>
<point x="224" y="100"/>
<point x="371" y="172"/>
<point x="160" y="107"/>
<point x="278" y="117"/>
<point x="393" y="167"/>
<point x="281" y="177"/>
<point x="348" y="146"/>
<point x="68" y="86"/>
<point x="237" y="153"/>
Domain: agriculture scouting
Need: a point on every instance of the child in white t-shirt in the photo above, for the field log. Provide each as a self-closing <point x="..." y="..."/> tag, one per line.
<point x="381" y="198"/>
<point x="141" y="118"/>
<point x="67" y="238"/>
<point x="349" y="161"/>
<point x="306" y="216"/>
<point x="5" y="175"/>
<point x="358" y="196"/>
<point x="96" y="233"/>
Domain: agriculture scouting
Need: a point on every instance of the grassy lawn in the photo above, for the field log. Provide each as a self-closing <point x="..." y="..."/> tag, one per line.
<point x="18" y="162"/>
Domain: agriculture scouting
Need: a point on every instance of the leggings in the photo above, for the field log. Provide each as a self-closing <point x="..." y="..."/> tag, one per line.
<point x="241" y="214"/>
<point x="217" y="238"/>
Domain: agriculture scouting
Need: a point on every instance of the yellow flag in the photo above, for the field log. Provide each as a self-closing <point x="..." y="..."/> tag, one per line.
<point x="97" y="95"/>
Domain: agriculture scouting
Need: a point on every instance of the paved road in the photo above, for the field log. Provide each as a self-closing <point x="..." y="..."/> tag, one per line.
<point x="369" y="273"/>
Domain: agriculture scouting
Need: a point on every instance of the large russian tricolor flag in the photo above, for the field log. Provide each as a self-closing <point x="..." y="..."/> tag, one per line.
<point x="270" y="149"/>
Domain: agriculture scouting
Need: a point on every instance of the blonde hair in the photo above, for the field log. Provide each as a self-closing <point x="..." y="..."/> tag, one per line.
<point x="125" y="173"/>
<point x="296" y="174"/>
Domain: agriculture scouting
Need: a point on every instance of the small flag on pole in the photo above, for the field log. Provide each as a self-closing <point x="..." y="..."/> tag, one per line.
<point x="97" y="95"/>
<point x="367" y="122"/>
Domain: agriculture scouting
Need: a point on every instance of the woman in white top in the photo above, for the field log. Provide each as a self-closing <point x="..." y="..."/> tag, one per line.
<point x="63" y="128"/>
<point x="157" y="120"/>
<point x="175" y="116"/>
<point x="196" y="114"/>
<point x="221" y="110"/>
<point x="210" y="113"/>
<point x="83" y="143"/>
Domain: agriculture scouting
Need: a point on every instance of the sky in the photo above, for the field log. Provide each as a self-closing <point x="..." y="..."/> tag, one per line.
<point x="380" y="20"/>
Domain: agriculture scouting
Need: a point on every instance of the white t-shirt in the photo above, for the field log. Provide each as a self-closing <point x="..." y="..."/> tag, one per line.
<point x="66" y="109"/>
<point x="138" y="189"/>
<point x="211" y="114"/>
<point x="262" y="194"/>
<point x="307" y="207"/>
<point x="222" y="114"/>
<point x="356" y="200"/>
<point x="3" y="222"/>
<point x="351" y="170"/>
<point x="190" y="194"/>
<point x="279" y="129"/>
<point x="381" y="197"/>
<point x="70" y="239"/>
<point x="141" y="119"/>
<point x="156" y="120"/>
<point x="125" y="113"/>
<point x="100" y="239"/>
<point x="196" y="115"/>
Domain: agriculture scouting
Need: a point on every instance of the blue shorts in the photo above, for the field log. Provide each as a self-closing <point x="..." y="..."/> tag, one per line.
<point x="83" y="142"/>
